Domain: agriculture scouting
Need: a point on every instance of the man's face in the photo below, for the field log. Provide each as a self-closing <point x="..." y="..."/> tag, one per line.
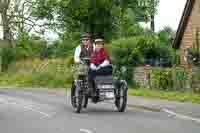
<point x="86" y="41"/>
<point x="99" y="45"/>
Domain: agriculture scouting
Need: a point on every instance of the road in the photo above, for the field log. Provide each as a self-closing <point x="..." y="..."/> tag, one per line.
<point x="42" y="112"/>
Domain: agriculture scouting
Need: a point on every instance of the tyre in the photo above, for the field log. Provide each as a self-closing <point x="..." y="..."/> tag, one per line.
<point x="85" y="101"/>
<point x="121" y="97"/>
<point x="76" y="98"/>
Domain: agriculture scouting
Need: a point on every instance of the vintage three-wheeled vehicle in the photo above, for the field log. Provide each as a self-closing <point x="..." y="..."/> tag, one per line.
<point x="107" y="88"/>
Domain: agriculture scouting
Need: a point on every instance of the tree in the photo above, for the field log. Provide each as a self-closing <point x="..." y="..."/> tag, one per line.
<point x="17" y="18"/>
<point x="4" y="10"/>
<point x="89" y="15"/>
<point x="166" y="35"/>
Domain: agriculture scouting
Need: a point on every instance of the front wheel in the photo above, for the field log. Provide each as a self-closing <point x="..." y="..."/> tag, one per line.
<point x="85" y="101"/>
<point x="121" y="97"/>
<point x="76" y="98"/>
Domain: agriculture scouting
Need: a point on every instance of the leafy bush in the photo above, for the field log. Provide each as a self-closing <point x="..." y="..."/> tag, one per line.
<point x="166" y="36"/>
<point x="70" y="61"/>
<point x="35" y="47"/>
<point x="161" y="79"/>
<point x="175" y="78"/>
<point x="172" y="78"/>
<point x="134" y="51"/>
<point x="62" y="49"/>
<point x="7" y="57"/>
<point x="30" y="46"/>
<point x="124" y="49"/>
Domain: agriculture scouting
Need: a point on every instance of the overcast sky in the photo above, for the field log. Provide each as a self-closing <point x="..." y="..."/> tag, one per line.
<point x="169" y="14"/>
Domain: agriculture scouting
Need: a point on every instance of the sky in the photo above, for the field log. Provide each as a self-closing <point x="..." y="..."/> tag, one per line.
<point x="169" y="14"/>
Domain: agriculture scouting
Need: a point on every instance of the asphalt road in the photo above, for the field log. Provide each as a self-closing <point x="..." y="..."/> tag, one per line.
<point x="41" y="112"/>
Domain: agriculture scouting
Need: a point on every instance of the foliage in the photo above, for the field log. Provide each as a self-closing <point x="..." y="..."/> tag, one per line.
<point x="179" y="77"/>
<point x="134" y="50"/>
<point x="35" y="47"/>
<point x="166" y="36"/>
<point x="161" y="79"/>
<point x="105" y="16"/>
<point x="175" y="78"/>
<point x="30" y="46"/>
<point x="176" y="57"/>
<point x="62" y="49"/>
<point x="7" y="57"/>
<point x="17" y="17"/>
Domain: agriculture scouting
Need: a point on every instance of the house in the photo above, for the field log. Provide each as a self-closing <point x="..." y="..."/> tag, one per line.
<point x="186" y="31"/>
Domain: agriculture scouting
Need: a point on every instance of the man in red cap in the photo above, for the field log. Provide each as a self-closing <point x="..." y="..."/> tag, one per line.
<point x="100" y="63"/>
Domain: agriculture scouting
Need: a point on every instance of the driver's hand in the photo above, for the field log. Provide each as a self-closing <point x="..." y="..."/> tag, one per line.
<point x="81" y="62"/>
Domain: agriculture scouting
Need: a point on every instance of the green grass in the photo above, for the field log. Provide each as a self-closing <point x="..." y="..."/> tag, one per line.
<point x="35" y="73"/>
<point x="168" y="95"/>
<point x="34" y="80"/>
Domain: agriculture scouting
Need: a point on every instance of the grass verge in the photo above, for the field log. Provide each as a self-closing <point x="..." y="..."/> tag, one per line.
<point x="36" y="73"/>
<point x="34" y="80"/>
<point x="168" y="95"/>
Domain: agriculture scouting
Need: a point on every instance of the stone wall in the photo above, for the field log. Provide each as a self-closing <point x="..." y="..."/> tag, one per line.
<point x="191" y="80"/>
<point x="141" y="75"/>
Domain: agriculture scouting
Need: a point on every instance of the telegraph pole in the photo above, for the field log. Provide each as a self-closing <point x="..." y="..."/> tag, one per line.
<point x="153" y="16"/>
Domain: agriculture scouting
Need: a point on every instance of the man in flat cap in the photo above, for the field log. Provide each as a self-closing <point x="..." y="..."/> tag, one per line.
<point x="84" y="50"/>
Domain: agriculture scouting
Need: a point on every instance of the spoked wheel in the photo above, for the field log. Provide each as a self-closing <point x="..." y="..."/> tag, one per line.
<point x="121" y="97"/>
<point x="76" y="98"/>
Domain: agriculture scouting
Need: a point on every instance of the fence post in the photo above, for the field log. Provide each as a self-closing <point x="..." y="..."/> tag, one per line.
<point x="188" y="82"/>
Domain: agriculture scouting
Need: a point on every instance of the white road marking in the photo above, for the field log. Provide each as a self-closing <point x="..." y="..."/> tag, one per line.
<point x="85" y="131"/>
<point x="19" y="103"/>
<point x="181" y="116"/>
<point x="37" y="111"/>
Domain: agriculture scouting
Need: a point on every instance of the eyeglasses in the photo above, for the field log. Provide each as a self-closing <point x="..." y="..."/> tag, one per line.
<point x="85" y="39"/>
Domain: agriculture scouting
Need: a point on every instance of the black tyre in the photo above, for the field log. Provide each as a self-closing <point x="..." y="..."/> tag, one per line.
<point x="76" y="98"/>
<point x="85" y="101"/>
<point x="121" y="97"/>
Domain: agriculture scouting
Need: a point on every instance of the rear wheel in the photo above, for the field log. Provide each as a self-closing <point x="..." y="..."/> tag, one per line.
<point x="121" y="97"/>
<point x="76" y="97"/>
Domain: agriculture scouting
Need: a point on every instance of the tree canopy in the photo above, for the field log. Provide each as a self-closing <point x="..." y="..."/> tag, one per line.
<point x="107" y="16"/>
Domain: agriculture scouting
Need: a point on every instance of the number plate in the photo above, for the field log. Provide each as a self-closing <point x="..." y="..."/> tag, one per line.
<point x="109" y="95"/>
<point x="106" y="86"/>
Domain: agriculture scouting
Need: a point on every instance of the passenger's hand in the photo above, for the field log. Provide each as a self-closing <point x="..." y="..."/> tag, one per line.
<point x="93" y="67"/>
